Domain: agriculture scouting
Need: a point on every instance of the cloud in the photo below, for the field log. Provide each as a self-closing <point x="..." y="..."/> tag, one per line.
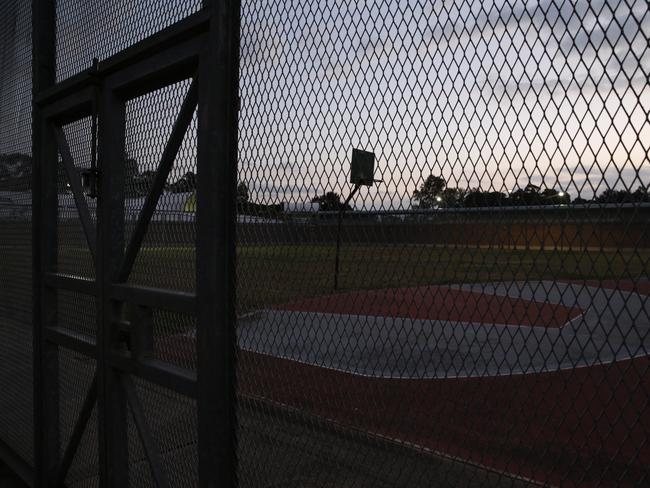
<point x="475" y="90"/>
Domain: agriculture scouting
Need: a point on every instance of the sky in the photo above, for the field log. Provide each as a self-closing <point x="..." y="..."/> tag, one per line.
<point x="489" y="94"/>
<point x="15" y="78"/>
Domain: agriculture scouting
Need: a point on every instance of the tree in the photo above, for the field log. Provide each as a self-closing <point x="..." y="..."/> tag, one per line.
<point x="429" y="195"/>
<point x="551" y="196"/>
<point x="185" y="184"/>
<point x="534" y="195"/>
<point x="131" y="169"/>
<point x="623" y="196"/>
<point x="15" y="172"/>
<point x="478" y="198"/>
<point x="4" y="174"/>
<point x="529" y="195"/>
<point x="614" y="196"/>
<point x="141" y="184"/>
<point x="62" y="180"/>
<point x="452" y="197"/>
<point x="330" y="201"/>
<point x="641" y="194"/>
<point x="133" y="186"/>
<point x="243" y="195"/>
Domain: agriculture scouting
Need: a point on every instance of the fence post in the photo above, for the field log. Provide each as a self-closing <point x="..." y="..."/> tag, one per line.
<point x="44" y="249"/>
<point x="215" y="246"/>
<point x="111" y="399"/>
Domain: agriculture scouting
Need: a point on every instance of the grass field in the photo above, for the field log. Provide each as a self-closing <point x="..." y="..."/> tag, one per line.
<point x="276" y="274"/>
<point x="269" y="275"/>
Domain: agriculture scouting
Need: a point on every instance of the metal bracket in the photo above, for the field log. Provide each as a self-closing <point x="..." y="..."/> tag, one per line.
<point x="140" y="331"/>
<point x="90" y="182"/>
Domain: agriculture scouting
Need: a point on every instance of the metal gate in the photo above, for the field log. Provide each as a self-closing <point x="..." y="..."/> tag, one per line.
<point x="118" y="337"/>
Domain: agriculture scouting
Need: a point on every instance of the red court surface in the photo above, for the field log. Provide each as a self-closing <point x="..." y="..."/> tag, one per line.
<point x="440" y="303"/>
<point x="582" y="427"/>
<point x="570" y="427"/>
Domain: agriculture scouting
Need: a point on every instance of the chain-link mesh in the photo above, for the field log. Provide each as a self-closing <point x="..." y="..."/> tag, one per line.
<point x="76" y="372"/>
<point x="16" y="399"/>
<point x="87" y="30"/>
<point x="74" y="257"/>
<point x="476" y="312"/>
<point x="166" y="260"/>
<point x="166" y="257"/>
<point x="489" y="310"/>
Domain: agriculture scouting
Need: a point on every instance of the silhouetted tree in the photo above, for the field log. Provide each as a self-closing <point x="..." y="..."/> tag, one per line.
<point x="62" y="181"/>
<point x="243" y="195"/>
<point x="478" y="198"/>
<point x="641" y="194"/>
<point x="623" y="196"/>
<point x="15" y="172"/>
<point x="184" y="184"/>
<point x="429" y="195"/>
<point x="580" y="201"/>
<point x="135" y="184"/>
<point x="452" y="197"/>
<point x="141" y="184"/>
<point x="330" y="201"/>
<point x="529" y="195"/>
<point x="551" y="196"/>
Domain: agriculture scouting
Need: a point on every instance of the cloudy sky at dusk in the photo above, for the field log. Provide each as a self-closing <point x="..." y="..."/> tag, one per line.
<point x="487" y="94"/>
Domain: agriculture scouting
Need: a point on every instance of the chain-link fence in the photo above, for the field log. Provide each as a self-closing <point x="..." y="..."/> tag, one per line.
<point x="466" y="306"/>
<point x="16" y="400"/>
<point x="491" y="312"/>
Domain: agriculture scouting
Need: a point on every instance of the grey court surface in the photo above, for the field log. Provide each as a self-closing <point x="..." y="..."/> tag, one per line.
<point x="614" y="324"/>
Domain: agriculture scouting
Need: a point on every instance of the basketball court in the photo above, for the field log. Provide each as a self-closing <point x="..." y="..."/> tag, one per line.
<point x="476" y="330"/>
<point x="529" y="378"/>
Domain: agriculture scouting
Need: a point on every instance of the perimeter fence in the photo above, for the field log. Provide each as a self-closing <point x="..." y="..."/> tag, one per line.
<point x="200" y="283"/>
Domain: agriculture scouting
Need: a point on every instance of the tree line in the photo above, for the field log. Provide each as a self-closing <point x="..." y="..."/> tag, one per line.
<point x="16" y="175"/>
<point x="434" y="192"/>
